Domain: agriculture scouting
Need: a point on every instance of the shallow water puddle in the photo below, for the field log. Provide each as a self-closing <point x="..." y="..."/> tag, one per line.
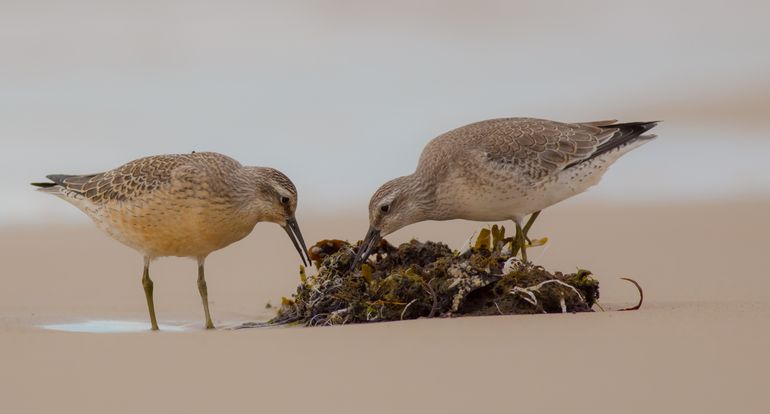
<point x="110" y="326"/>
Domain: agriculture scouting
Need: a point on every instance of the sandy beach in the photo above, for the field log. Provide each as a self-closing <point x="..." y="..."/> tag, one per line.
<point x="698" y="345"/>
<point x="341" y="97"/>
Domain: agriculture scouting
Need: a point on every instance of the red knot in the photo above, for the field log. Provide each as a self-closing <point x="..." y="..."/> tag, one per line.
<point x="500" y="169"/>
<point x="185" y="205"/>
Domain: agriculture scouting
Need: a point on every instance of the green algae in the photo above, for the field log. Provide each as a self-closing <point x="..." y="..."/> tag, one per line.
<point x="428" y="279"/>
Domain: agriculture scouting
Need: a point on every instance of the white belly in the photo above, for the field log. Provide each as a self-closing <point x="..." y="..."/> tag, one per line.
<point x="499" y="201"/>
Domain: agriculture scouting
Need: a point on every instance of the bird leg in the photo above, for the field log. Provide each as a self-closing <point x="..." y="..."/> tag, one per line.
<point x="521" y="243"/>
<point x="521" y="240"/>
<point x="204" y="295"/>
<point x="147" y="283"/>
<point x="529" y="224"/>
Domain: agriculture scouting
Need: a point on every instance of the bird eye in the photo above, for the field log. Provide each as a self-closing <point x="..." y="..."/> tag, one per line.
<point x="284" y="200"/>
<point x="385" y="208"/>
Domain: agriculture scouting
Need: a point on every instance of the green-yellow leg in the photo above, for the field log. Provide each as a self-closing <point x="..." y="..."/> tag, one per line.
<point x="521" y="242"/>
<point x="516" y="244"/>
<point x="529" y="224"/>
<point x="204" y="295"/>
<point x="147" y="283"/>
<point x="521" y="239"/>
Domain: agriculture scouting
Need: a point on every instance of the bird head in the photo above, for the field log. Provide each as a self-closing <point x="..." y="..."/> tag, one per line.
<point x="277" y="199"/>
<point x="396" y="204"/>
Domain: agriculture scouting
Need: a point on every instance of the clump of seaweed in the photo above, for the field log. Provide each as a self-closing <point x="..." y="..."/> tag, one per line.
<point x="428" y="279"/>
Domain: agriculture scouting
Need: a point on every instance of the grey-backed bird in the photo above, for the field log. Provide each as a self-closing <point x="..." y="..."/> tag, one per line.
<point x="500" y="169"/>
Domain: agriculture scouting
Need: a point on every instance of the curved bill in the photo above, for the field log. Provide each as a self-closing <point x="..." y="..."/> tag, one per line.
<point x="367" y="246"/>
<point x="292" y="229"/>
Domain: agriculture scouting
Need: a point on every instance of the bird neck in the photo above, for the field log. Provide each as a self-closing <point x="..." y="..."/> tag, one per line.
<point x="422" y="195"/>
<point x="251" y="184"/>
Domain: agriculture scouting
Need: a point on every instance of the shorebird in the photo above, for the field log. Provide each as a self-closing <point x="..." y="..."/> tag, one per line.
<point x="185" y="205"/>
<point x="500" y="169"/>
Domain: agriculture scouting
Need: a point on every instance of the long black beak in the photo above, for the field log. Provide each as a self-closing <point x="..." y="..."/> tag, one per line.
<point x="292" y="229"/>
<point x="367" y="246"/>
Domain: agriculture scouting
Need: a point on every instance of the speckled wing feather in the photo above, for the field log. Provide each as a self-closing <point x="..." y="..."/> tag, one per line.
<point x="141" y="176"/>
<point x="535" y="147"/>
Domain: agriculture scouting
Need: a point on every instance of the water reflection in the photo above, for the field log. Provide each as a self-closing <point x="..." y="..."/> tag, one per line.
<point x="110" y="326"/>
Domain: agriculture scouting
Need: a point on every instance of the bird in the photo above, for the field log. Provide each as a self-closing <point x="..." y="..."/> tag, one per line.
<point x="183" y="205"/>
<point x="498" y="170"/>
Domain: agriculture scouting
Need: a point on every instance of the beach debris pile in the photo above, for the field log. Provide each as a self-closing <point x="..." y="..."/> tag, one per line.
<point x="428" y="279"/>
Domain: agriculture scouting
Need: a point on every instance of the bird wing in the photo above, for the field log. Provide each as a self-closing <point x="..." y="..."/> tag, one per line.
<point x="534" y="147"/>
<point x="128" y="181"/>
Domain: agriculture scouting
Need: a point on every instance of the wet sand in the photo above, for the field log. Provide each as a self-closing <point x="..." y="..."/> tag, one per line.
<point x="698" y="345"/>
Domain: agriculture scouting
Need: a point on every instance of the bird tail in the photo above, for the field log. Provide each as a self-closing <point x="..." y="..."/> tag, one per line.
<point x="53" y="186"/>
<point x="44" y="185"/>
<point x="626" y="134"/>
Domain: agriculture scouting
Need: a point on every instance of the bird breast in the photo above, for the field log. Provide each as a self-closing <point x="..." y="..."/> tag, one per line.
<point x="165" y="225"/>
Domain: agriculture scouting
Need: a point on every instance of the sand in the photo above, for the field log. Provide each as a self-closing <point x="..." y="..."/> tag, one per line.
<point x="699" y="344"/>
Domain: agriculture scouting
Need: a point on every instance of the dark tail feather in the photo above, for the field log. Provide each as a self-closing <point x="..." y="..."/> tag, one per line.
<point x="57" y="179"/>
<point x="626" y="133"/>
<point x="44" y="185"/>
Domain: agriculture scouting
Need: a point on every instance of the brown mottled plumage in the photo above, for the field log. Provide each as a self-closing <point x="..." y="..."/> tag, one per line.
<point x="501" y="169"/>
<point x="186" y="205"/>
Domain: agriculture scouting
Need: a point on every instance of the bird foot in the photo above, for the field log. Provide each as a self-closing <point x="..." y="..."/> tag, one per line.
<point x="536" y="242"/>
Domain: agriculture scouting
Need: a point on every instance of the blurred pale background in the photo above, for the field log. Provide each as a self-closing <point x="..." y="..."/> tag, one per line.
<point x="342" y="95"/>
